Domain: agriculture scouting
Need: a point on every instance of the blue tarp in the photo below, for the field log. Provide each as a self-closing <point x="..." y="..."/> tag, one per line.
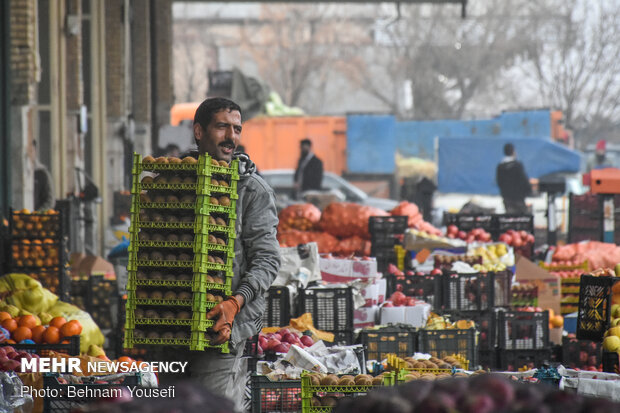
<point x="371" y="144"/>
<point x="467" y="165"/>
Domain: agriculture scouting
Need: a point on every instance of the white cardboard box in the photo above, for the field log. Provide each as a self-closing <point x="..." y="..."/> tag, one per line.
<point x="340" y="270"/>
<point x="365" y="316"/>
<point x="415" y="316"/>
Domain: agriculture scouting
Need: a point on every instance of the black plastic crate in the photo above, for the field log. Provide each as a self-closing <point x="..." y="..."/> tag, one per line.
<point x="504" y="222"/>
<point x="581" y="354"/>
<point x="278" y="310"/>
<point x="594" y="306"/>
<point x="513" y="360"/>
<point x="523" y="330"/>
<point x="384" y="242"/>
<point x="585" y="218"/>
<point x="468" y="292"/>
<point x="72" y="348"/>
<point x="611" y="362"/>
<point x="488" y="359"/>
<point x="384" y="258"/>
<point x="57" y="399"/>
<point x="379" y="342"/>
<point x="395" y="224"/>
<point x="275" y="396"/>
<point x="486" y="325"/>
<point x="425" y="287"/>
<point x="331" y="310"/>
<point x="467" y="222"/>
<point x="443" y="343"/>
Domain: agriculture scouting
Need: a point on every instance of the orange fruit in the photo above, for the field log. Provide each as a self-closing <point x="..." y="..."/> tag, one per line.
<point x="51" y="335"/>
<point x="29" y="321"/>
<point x="22" y="333"/>
<point x="58" y="322"/>
<point x="71" y="328"/>
<point x="10" y="324"/>
<point x="4" y="315"/>
<point x="11" y="342"/>
<point x="37" y="334"/>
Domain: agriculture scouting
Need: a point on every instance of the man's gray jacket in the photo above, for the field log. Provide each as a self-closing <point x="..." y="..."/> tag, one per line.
<point x="257" y="252"/>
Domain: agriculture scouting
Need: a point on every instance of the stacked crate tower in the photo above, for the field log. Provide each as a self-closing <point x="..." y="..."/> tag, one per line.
<point x="181" y="250"/>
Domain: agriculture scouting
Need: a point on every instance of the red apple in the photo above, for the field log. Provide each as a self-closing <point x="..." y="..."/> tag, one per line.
<point x="435" y="271"/>
<point x="272" y="344"/>
<point x="452" y="229"/>
<point x="283" y="331"/>
<point x="461" y="234"/>
<point x="505" y="238"/>
<point x="282" y="348"/>
<point x="290" y="338"/>
<point x="307" y="340"/>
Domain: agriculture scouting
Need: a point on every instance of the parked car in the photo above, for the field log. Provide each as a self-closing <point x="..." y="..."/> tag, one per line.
<point x="281" y="180"/>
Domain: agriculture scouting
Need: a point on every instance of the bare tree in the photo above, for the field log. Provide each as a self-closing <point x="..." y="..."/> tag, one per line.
<point x="576" y="66"/>
<point x="446" y="60"/>
<point x="294" y="53"/>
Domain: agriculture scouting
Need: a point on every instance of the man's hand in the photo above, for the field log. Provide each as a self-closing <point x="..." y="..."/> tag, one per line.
<point x="224" y="313"/>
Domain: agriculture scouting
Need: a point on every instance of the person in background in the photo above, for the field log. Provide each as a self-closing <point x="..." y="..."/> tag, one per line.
<point x="172" y="150"/>
<point x="43" y="185"/>
<point x="599" y="160"/>
<point x="309" y="172"/>
<point x="513" y="183"/>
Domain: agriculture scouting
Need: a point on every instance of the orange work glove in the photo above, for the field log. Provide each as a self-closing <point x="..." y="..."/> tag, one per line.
<point x="225" y="313"/>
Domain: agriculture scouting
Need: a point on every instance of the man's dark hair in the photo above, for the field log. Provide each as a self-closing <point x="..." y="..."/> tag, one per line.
<point x="306" y="142"/>
<point x="509" y="149"/>
<point x="210" y="107"/>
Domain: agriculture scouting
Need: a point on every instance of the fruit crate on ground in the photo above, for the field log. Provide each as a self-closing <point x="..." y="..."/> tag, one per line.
<point x="523" y="330"/>
<point x="581" y="354"/>
<point x="445" y="343"/>
<point x="38" y="247"/>
<point x="594" y="307"/>
<point x="472" y="292"/>
<point x="514" y="360"/>
<point x="278" y="310"/>
<point x="275" y="396"/>
<point x="58" y="399"/>
<point x="486" y="325"/>
<point x="322" y="396"/>
<point x="425" y="287"/>
<point x="331" y="310"/>
<point x="379" y="342"/>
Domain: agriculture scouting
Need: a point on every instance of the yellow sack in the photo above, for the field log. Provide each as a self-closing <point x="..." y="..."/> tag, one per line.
<point x="90" y="331"/>
<point x="304" y="322"/>
<point x="26" y="293"/>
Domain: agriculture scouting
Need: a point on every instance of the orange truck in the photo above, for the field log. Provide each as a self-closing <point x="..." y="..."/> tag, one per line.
<point x="273" y="142"/>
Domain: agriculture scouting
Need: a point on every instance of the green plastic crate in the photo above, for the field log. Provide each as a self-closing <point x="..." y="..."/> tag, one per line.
<point x="171" y="187"/>
<point x="308" y="391"/>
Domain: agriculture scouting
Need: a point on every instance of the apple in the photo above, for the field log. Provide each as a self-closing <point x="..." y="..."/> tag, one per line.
<point x="282" y="348"/>
<point x="435" y="271"/>
<point x="2" y="351"/>
<point x="290" y="338"/>
<point x="452" y="230"/>
<point x="505" y="238"/>
<point x="277" y="336"/>
<point x="11" y="365"/>
<point x="283" y="331"/>
<point x="8" y="349"/>
<point x="307" y="341"/>
<point x="462" y="234"/>
<point x="272" y="344"/>
<point x="12" y="355"/>
<point x="388" y="304"/>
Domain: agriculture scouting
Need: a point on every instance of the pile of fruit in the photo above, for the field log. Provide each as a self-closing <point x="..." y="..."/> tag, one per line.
<point x="281" y="341"/>
<point x="182" y="248"/>
<point x="475" y="234"/>
<point x="581" y="354"/>
<point x="437" y="322"/>
<point x="524" y="294"/>
<point x="446" y="261"/>
<point x="326" y="390"/>
<point x="29" y="329"/>
<point x="43" y="224"/>
<point x="611" y="341"/>
<point x="494" y="257"/>
<point x="517" y="239"/>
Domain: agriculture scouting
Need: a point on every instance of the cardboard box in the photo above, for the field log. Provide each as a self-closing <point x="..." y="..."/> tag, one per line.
<point x="549" y="288"/>
<point x="416" y="316"/>
<point x="365" y="316"/>
<point x="342" y="271"/>
<point x="92" y="264"/>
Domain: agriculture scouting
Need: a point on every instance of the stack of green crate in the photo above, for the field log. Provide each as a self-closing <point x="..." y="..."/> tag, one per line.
<point x="181" y="249"/>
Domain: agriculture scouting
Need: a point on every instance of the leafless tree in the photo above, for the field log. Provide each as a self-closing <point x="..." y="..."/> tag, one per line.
<point x="576" y="65"/>
<point x="447" y="61"/>
<point x="294" y="53"/>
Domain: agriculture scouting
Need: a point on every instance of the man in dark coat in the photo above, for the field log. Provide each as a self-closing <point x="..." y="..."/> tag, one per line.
<point x="309" y="172"/>
<point x="513" y="182"/>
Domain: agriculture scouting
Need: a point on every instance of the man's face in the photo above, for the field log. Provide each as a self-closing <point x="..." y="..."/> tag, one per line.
<point x="305" y="149"/>
<point x="222" y="135"/>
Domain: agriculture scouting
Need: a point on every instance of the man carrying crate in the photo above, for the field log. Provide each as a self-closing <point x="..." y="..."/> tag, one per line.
<point x="217" y="131"/>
